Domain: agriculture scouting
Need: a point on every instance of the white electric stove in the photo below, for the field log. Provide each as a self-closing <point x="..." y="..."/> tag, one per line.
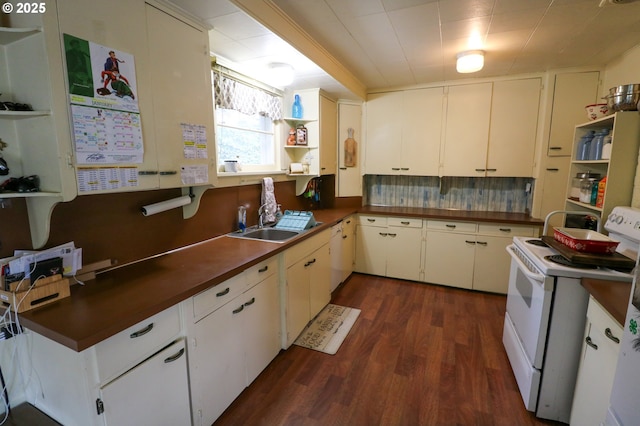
<point x="545" y="319"/>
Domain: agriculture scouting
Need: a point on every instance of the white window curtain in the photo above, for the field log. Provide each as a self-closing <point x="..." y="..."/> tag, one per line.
<point x="233" y="94"/>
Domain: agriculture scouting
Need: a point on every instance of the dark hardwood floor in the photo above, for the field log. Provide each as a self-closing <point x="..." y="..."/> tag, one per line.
<point x="418" y="354"/>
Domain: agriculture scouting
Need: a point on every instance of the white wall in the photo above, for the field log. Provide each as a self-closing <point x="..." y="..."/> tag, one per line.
<point x="625" y="70"/>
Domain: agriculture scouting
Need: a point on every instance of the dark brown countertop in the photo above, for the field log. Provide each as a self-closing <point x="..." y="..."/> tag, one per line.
<point x="124" y="296"/>
<point x="453" y="214"/>
<point x="612" y="296"/>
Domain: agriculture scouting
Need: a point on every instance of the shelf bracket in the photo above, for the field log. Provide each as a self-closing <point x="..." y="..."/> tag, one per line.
<point x="195" y="192"/>
<point x="40" y="209"/>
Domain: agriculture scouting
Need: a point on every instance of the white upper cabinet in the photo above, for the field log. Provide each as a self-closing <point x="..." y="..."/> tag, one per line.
<point x="512" y="133"/>
<point x="403" y="132"/>
<point x="181" y="89"/>
<point x="467" y="130"/>
<point x="384" y="133"/>
<point x="571" y="93"/>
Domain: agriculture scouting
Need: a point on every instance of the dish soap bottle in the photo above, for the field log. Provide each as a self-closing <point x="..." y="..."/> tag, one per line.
<point x="278" y="212"/>
<point x="296" y="110"/>
<point x="242" y="218"/>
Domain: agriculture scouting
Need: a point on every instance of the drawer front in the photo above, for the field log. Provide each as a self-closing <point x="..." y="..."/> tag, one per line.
<point x="262" y="270"/>
<point x="453" y="226"/>
<point x="133" y="345"/>
<point x="306" y="247"/>
<point x="404" y="222"/>
<point x="372" y="220"/>
<point x="216" y="296"/>
<point x="507" y="230"/>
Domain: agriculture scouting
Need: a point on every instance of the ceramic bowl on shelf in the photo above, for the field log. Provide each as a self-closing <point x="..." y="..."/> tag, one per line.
<point x="595" y="111"/>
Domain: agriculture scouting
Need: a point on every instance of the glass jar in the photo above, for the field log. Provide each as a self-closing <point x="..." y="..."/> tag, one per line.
<point x="576" y="185"/>
<point x="586" y="188"/>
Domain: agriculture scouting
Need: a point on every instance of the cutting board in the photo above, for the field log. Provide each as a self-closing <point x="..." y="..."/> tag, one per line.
<point x="615" y="260"/>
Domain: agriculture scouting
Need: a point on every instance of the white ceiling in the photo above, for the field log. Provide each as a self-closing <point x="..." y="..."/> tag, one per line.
<point x="392" y="43"/>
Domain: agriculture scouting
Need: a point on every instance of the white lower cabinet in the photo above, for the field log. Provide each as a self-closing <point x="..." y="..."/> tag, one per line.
<point x="470" y="255"/>
<point x="342" y="251"/>
<point x="138" y="376"/>
<point x="231" y="345"/>
<point x="150" y="393"/>
<point x="449" y="259"/>
<point x="389" y="246"/>
<point x="597" y="368"/>
<point x="307" y="288"/>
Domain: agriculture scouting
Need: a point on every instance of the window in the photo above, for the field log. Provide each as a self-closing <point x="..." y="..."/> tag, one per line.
<point x="245" y="123"/>
<point x="249" y="139"/>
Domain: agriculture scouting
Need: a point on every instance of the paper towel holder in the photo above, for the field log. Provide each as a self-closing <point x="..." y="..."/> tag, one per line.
<point x="162" y="206"/>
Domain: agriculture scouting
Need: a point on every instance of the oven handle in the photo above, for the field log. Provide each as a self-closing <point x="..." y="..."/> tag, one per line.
<point x="533" y="275"/>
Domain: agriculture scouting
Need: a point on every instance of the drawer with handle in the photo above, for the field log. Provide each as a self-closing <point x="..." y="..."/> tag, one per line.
<point x="126" y="349"/>
<point x="507" y="230"/>
<point x="266" y="268"/>
<point x="453" y="226"/>
<point x="404" y="222"/>
<point x="216" y="296"/>
<point x="372" y="220"/>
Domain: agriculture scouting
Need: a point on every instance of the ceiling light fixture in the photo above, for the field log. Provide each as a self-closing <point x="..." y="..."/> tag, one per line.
<point x="280" y="74"/>
<point x="470" y="61"/>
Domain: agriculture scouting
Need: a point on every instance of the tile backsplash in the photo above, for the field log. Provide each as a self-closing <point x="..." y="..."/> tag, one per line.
<point x="464" y="193"/>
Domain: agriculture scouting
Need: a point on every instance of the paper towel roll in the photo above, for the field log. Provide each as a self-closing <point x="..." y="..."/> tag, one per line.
<point x="166" y="205"/>
<point x="296" y="168"/>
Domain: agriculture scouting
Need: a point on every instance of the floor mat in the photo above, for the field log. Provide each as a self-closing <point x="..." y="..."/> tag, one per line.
<point x="328" y="329"/>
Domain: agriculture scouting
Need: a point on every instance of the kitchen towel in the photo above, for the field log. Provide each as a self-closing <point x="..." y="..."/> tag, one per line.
<point x="268" y="199"/>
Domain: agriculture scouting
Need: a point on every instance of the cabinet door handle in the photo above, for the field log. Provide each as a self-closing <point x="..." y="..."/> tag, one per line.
<point x="147" y="172"/>
<point x="481" y="170"/>
<point x="174" y="357"/>
<point x="392" y="235"/>
<point x="348" y="222"/>
<point x="482" y="243"/>
<point x="405" y="223"/>
<point x="492" y="170"/>
<point x="238" y="310"/>
<point x="263" y="269"/>
<point x="555" y="148"/>
<point x="505" y="229"/>
<point x="590" y="343"/>
<point x="223" y="292"/>
<point x="451" y="226"/>
<point x="404" y="168"/>
<point x="469" y="242"/>
<point x="250" y="302"/>
<point x="371" y="220"/>
<point x="395" y="168"/>
<point x="311" y="262"/>
<point x="343" y="168"/>
<point x="344" y="236"/>
<point x="552" y="169"/>
<point x="168" y="172"/>
<point x="610" y="335"/>
<point x="384" y="234"/>
<point x="142" y="332"/>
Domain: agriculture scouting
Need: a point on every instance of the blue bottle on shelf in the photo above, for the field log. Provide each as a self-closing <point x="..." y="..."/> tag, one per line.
<point x="595" y="150"/>
<point x="584" y="146"/>
<point x="296" y="110"/>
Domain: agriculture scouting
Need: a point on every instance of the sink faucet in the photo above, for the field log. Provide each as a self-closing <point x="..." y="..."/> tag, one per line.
<point x="261" y="212"/>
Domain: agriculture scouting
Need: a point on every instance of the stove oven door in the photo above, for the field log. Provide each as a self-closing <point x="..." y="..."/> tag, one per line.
<point x="526" y="324"/>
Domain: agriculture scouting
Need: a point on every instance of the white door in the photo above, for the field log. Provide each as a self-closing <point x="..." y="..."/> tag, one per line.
<point x="384" y="133"/>
<point x="421" y="131"/>
<point x="514" y="121"/>
<point x="467" y="130"/>
<point x="154" y="393"/>
<point x="261" y="325"/>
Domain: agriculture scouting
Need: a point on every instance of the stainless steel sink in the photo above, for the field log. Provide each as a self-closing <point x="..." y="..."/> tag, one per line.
<point x="265" y="234"/>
